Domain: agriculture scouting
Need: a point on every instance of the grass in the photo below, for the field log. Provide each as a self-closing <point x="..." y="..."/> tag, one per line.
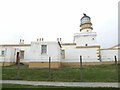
<point x="96" y="73"/>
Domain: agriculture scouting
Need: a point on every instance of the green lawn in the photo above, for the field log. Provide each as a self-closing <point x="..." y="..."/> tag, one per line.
<point x="96" y="73"/>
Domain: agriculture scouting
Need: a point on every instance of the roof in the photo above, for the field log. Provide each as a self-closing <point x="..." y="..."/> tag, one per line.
<point x="96" y="46"/>
<point x="114" y="46"/>
<point x="23" y="44"/>
<point x="15" y="44"/>
<point x="85" y="16"/>
<point x="68" y="44"/>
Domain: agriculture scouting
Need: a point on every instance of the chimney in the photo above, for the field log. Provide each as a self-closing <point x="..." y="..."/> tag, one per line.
<point x="42" y="39"/>
<point x="57" y="39"/>
<point x="21" y="41"/>
<point x="60" y="39"/>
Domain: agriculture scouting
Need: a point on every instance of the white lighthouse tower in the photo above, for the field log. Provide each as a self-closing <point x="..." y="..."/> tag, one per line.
<point x="86" y="37"/>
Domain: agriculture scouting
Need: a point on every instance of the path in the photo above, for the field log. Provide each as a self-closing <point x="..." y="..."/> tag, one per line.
<point x="68" y="84"/>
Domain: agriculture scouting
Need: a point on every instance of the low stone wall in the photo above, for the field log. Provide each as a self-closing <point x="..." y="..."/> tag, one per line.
<point x="60" y="64"/>
<point x="44" y="64"/>
<point x="56" y="64"/>
<point x="6" y="63"/>
<point x="77" y="64"/>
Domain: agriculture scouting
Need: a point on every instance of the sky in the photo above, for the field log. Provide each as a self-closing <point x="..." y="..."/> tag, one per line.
<point x="52" y="19"/>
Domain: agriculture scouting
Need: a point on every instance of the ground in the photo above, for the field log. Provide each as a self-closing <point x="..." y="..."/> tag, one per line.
<point x="24" y="87"/>
<point x="96" y="73"/>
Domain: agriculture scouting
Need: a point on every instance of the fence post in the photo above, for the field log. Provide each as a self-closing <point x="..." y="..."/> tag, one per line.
<point x="81" y="77"/>
<point x="18" y="68"/>
<point x="115" y="60"/>
<point x="116" y="66"/>
<point x="4" y="57"/>
<point x="49" y="68"/>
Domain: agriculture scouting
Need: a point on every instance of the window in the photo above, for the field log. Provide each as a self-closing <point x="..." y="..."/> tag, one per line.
<point x="63" y="54"/>
<point x="21" y="54"/>
<point x="3" y="53"/>
<point x="43" y="49"/>
<point x="86" y="44"/>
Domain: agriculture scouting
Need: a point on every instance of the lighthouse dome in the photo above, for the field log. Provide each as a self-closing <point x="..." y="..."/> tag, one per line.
<point x="85" y="19"/>
<point x="85" y="23"/>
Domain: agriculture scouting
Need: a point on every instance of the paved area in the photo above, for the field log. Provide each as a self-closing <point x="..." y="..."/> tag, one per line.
<point x="68" y="84"/>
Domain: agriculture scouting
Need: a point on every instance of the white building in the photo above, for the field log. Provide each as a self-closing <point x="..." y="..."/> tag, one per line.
<point x="109" y="54"/>
<point x="11" y="53"/>
<point x="84" y="44"/>
<point x="37" y="54"/>
<point x="41" y="51"/>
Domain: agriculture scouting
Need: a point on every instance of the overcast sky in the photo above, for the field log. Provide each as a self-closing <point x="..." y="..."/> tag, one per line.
<point x="52" y="19"/>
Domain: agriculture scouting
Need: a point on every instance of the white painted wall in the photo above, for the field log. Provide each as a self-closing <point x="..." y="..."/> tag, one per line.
<point x="108" y="55"/>
<point x="53" y="51"/>
<point x="86" y="30"/>
<point x="9" y="55"/>
<point x="1" y="57"/>
<point x="11" y="52"/>
<point x="72" y="54"/>
<point x="26" y="50"/>
<point x="85" y="38"/>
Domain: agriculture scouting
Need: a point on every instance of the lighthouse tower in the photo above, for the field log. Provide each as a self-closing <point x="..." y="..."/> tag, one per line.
<point x="86" y="37"/>
<point x="86" y="25"/>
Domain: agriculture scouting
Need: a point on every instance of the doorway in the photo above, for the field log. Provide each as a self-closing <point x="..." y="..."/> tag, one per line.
<point x="18" y="58"/>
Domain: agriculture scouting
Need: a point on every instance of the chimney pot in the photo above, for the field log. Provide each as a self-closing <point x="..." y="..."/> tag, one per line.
<point x="57" y="39"/>
<point x="42" y="39"/>
<point x="60" y="39"/>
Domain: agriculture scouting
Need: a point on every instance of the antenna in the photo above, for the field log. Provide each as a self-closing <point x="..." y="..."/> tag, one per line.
<point x="84" y="14"/>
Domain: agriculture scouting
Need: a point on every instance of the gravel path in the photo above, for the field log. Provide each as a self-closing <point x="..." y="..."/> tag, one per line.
<point x="68" y="84"/>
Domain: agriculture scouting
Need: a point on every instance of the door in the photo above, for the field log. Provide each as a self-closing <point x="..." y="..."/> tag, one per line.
<point x="17" y="58"/>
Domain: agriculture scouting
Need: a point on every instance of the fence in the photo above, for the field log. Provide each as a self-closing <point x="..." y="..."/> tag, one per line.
<point x="64" y="73"/>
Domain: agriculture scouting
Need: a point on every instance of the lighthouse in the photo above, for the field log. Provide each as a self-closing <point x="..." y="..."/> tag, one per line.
<point x="86" y="36"/>
<point x="86" y="25"/>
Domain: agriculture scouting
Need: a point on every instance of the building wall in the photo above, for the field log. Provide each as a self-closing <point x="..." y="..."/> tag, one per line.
<point x="44" y="64"/>
<point x="8" y="54"/>
<point x="1" y="56"/>
<point x="11" y="53"/>
<point x="72" y="54"/>
<point x="39" y="60"/>
<point x="81" y="39"/>
<point x="108" y="54"/>
<point x="53" y="51"/>
<point x="8" y="57"/>
<point x="77" y="64"/>
<point x="26" y="50"/>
